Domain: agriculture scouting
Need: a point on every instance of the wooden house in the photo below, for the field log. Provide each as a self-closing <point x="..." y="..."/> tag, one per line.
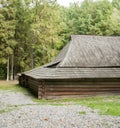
<point x="87" y="65"/>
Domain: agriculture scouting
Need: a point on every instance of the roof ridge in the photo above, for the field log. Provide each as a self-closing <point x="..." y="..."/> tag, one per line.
<point x="59" y="57"/>
<point x="67" y="53"/>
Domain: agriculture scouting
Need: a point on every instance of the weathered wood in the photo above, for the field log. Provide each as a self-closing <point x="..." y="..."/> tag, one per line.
<point x="77" y="93"/>
<point x="82" y="86"/>
<point x="79" y="89"/>
<point x="69" y="93"/>
<point x="52" y="88"/>
<point x="82" y="83"/>
<point x="81" y="96"/>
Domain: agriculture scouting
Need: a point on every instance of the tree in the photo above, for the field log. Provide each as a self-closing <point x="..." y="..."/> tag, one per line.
<point x="33" y="31"/>
<point x="44" y="34"/>
<point x="24" y="19"/>
<point x="115" y="17"/>
<point x="91" y="17"/>
<point x="7" y="31"/>
<point x="116" y="4"/>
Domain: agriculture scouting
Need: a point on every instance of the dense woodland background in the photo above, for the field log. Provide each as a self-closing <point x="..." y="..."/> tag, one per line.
<point x="33" y="31"/>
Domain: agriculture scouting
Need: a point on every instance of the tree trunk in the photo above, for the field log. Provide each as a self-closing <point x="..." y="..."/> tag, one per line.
<point x="12" y="66"/>
<point x="8" y="67"/>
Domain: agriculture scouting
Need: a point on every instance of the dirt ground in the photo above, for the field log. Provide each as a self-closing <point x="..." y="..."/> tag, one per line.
<point x="4" y="82"/>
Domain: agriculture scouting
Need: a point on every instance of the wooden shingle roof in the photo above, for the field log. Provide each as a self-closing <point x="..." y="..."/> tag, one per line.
<point x="83" y="57"/>
<point x="91" y="51"/>
<point x="66" y="73"/>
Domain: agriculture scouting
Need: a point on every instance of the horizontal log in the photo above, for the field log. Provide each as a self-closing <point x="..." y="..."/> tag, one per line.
<point x="76" y="93"/>
<point x="84" y="80"/>
<point x="82" y="86"/>
<point x="80" y="96"/>
<point x="33" y="88"/>
<point x="67" y="93"/>
<point x="34" y="83"/>
<point x="80" y="89"/>
<point x="81" y="83"/>
<point x="66" y="88"/>
<point x="30" y="85"/>
<point x="40" y="94"/>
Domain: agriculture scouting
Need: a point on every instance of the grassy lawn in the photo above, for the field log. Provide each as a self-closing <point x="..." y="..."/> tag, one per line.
<point x="108" y="105"/>
<point x="12" y="86"/>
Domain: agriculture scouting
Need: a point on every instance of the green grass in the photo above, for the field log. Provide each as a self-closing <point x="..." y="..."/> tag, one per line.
<point x="47" y="102"/>
<point x="14" y="88"/>
<point x="8" y="109"/>
<point x="82" y="113"/>
<point x="108" y="105"/>
<point x="2" y="111"/>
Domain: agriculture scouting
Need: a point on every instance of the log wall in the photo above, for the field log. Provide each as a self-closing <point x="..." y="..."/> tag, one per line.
<point x="58" y="88"/>
<point x="77" y="88"/>
<point x="37" y="87"/>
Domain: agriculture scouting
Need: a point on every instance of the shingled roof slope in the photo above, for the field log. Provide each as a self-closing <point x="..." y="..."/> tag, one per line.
<point x="92" y="51"/>
<point x="72" y="73"/>
<point x="83" y="57"/>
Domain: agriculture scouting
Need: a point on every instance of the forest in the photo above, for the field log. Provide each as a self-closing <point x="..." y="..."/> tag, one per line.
<point x="32" y="32"/>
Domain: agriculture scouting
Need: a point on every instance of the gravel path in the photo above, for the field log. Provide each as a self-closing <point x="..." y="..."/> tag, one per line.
<point x="25" y="113"/>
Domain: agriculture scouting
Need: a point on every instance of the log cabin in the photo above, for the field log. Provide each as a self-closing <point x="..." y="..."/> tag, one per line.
<point x="87" y="65"/>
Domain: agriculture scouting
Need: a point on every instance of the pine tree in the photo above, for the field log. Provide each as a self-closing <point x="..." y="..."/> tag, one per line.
<point x="7" y="31"/>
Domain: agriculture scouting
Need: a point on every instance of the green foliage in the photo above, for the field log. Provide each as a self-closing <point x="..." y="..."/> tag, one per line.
<point x="94" y="18"/>
<point x="33" y="32"/>
<point x="116" y="4"/>
<point x="7" y="32"/>
<point x="24" y="20"/>
<point x="7" y="27"/>
<point x="44" y="32"/>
